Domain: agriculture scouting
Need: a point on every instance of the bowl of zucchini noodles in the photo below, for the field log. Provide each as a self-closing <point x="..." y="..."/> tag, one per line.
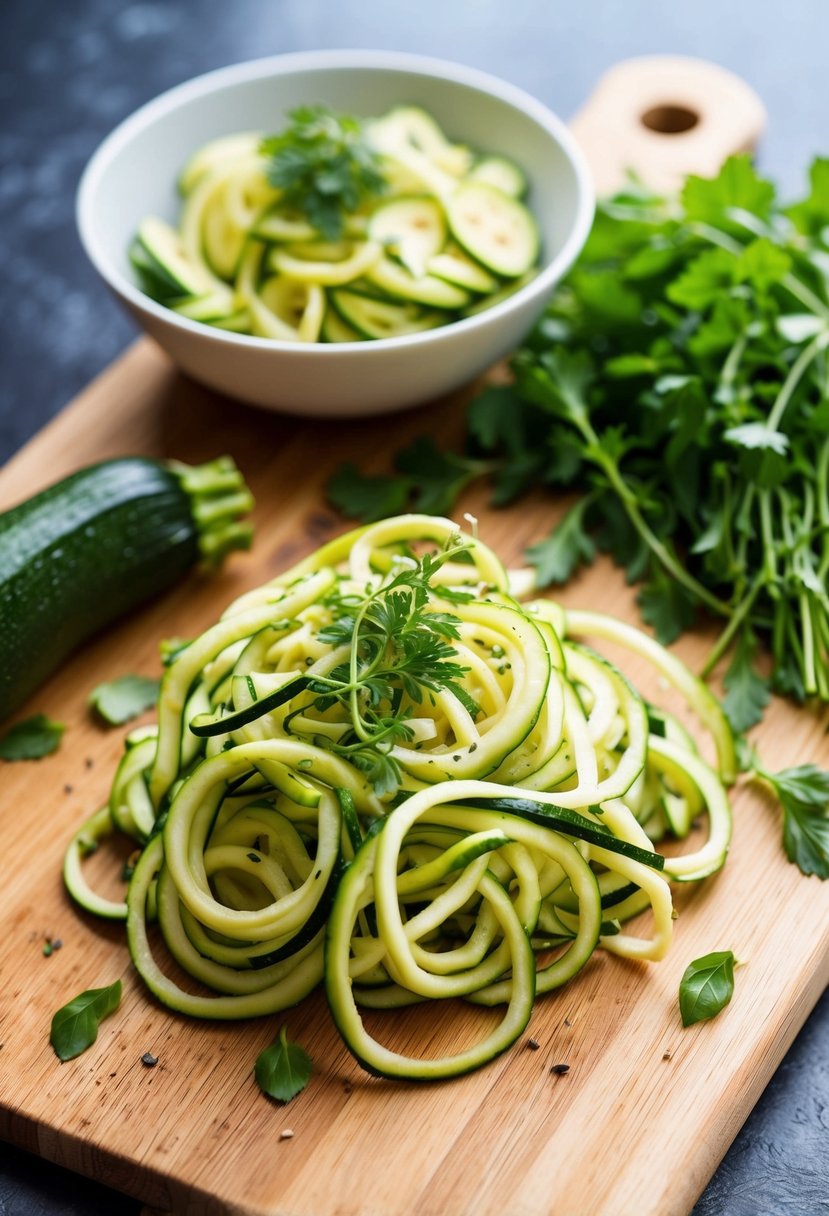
<point x="484" y="203"/>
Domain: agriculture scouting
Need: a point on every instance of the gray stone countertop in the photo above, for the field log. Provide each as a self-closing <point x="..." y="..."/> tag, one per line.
<point x="70" y="70"/>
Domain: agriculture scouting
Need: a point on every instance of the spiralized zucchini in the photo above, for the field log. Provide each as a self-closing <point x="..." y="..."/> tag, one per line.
<point x="381" y="771"/>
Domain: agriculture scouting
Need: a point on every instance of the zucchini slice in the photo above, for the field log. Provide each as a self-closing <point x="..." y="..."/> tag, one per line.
<point x="214" y="307"/>
<point x="502" y="173"/>
<point x="163" y="246"/>
<point x="410" y="128"/>
<point x="299" y="306"/>
<point x="413" y="229"/>
<point x="335" y="329"/>
<point x="498" y="297"/>
<point x="396" y="281"/>
<point x="494" y="228"/>
<point x="382" y="319"/>
<point x="283" y="225"/>
<point x="457" y="267"/>
<point x="309" y="264"/>
<point x="216" y="155"/>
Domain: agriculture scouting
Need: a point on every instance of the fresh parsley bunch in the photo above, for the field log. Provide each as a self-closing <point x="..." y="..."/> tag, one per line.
<point x="680" y="381"/>
<point x="324" y="166"/>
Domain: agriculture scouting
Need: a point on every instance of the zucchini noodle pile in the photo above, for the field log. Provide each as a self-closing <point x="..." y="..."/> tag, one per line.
<point x="309" y="812"/>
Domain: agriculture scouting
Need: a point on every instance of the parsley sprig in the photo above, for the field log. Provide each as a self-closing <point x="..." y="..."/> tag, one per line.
<point x="399" y="652"/>
<point x="324" y="166"/>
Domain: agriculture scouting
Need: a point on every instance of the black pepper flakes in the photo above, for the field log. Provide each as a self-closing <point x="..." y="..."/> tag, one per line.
<point x="68" y="789"/>
<point x="560" y="1069"/>
<point x="148" y="1060"/>
<point x="533" y="1044"/>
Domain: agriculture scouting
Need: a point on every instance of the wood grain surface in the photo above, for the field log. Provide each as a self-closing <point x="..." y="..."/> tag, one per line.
<point x="647" y="1109"/>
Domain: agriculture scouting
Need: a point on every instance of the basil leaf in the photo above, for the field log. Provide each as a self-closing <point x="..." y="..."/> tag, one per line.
<point x="706" y="987"/>
<point x="31" y="739"/>
<point x="283" y="1069"/>
<point x="124" y="698"/>
<point x="75" y="1026"/>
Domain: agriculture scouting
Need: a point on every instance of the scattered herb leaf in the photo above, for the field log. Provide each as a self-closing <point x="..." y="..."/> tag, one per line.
<point x="283" y="1069"/>
<point x="75" y="1026"/>
<point x="706" y="987"/>
<point x="569" y="545"/>
<point x="31" y="739"/>
<point x="746" y="691"/>
<point x="803" y="793"/>
<point x="120" y="700"/>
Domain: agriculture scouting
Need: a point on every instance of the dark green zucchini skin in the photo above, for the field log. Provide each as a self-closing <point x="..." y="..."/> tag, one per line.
<point x="82" y="553"/>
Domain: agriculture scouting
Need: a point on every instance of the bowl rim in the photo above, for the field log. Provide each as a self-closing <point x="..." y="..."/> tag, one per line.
<point x="322" y="60"/>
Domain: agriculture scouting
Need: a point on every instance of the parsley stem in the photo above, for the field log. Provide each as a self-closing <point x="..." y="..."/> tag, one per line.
<point x="793" y="379"/>
<point x="727" y="636"/>
<point x="822" y="478"/>
<point x="628" y="499"/>
<point x="769" y="550"/>
<point x="807" y="633"/>
<point x="732" y="363"/>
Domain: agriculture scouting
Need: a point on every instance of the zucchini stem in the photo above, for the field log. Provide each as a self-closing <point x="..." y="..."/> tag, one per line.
<point x="219" y="499"/>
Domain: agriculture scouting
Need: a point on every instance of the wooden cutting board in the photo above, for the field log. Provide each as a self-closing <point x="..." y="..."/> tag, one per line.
<point x="647" y="1109"/>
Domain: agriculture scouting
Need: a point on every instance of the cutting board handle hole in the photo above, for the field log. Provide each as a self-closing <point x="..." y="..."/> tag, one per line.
<point x="670" y="119"/>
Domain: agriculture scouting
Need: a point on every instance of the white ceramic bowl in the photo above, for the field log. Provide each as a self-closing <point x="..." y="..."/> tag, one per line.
<point x="134" y="172"/>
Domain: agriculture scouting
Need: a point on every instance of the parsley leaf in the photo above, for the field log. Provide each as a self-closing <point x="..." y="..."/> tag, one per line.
<point x="703" y="280"/>
<point x="437" y="478"/>
<point x="757" y="435"/>
<point x="31" y="739"/>
<point x="568" y="546"/>
<point x="366" y="497"/>
<point x="706" y="987"/>
<point x="737" y="185"/>
<point x="324" y="166"/>
<point x="666" y="606"/>
<point x="124" y="698"/>
<point x="283" y="1069"/>
<point x="75" y="1025"/>
<point x="428" y="480"/>
<point x="812" y="214"/>
<point x="746" y="692"/>
<point x="806" y="836"/>
<point x="803" y="792"/>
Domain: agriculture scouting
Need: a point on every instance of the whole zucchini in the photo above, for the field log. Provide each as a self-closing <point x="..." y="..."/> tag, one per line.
<point x="87" y="549"/>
